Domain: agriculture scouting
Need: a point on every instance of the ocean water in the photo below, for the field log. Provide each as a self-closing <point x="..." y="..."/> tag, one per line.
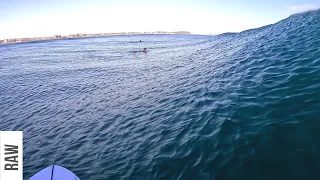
<point x="233" y="106"/>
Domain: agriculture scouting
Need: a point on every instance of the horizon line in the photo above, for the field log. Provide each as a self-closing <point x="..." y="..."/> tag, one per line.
<point x="104" y="34"/>
<point x="82" y="35"/>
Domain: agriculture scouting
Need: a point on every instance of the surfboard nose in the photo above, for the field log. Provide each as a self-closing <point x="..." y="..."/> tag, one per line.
<point x="54" y="172"/>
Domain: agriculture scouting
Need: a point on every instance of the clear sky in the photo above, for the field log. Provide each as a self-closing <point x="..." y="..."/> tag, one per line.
<point x="32" y="18"/>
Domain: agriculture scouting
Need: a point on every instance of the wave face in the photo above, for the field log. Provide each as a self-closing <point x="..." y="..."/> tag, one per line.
<point x="234" y="106"/>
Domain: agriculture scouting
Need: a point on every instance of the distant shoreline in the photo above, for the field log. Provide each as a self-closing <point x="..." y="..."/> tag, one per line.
<point x="74" y="36"/>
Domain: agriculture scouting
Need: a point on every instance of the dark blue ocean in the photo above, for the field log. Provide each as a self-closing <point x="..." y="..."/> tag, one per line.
<point x="242" y="106"/>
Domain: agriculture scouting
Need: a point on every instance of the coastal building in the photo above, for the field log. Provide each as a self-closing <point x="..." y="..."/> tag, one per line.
<point x="57" y="36"/>
<point x="181" y="32"/>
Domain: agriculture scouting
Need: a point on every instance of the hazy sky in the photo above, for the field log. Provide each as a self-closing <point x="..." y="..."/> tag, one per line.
<point x="30" y="18"/>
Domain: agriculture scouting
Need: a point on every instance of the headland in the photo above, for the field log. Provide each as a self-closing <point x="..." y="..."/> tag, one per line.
<point x="71" y="36"/>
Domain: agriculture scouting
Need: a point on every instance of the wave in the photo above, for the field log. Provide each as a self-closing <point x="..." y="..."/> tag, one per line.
<point x="232" y="106"/>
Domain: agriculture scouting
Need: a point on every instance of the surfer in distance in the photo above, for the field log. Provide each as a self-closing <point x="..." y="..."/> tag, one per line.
<point x="144" y="50"/>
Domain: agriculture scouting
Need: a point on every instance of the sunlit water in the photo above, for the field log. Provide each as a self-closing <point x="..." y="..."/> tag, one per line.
<point x="233" y="106"/>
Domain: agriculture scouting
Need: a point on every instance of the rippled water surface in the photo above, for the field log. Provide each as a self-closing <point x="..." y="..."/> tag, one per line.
<point x="233" y="106"/>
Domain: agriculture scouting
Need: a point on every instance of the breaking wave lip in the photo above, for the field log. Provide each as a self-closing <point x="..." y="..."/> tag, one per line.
<point x="233" y="106"/>
<point x="297" y="14"/>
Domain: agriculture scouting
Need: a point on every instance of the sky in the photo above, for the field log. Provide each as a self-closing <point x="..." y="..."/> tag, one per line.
<point x="36" y="18"/>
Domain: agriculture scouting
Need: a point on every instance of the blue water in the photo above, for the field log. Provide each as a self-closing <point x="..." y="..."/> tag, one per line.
<point x="233" y="106"/>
